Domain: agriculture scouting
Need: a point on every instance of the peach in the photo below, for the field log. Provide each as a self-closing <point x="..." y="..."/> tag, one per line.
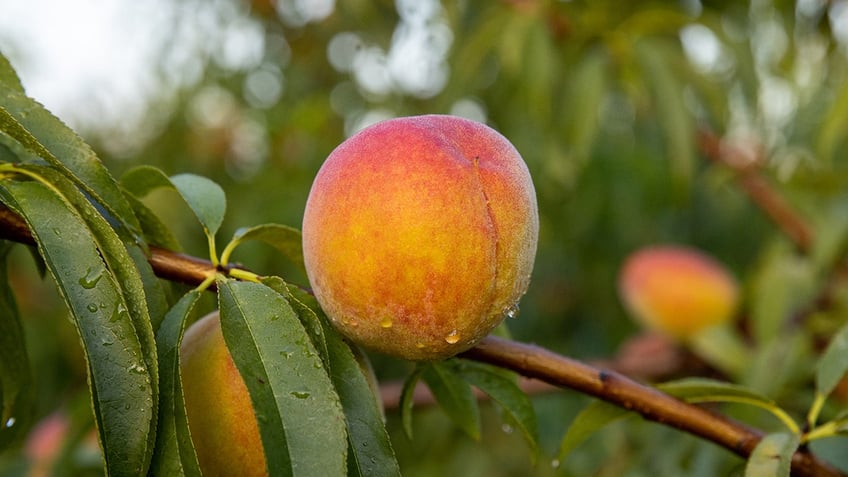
<point x="48" y="440"/>
<point x="677" y="290"/>
<point x="419" y="235"/>
<point x="220" y="415"/>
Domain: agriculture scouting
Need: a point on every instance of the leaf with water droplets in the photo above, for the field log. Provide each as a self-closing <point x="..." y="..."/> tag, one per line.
<point x="370" y="450"/>
<point x="303" y="429"/>
<point x="43" y="135"/>
<point x="305" y="306"/>
<point x="125" y="434"/>
<point x="92" y="276"/>
<point x="454" y="395"/>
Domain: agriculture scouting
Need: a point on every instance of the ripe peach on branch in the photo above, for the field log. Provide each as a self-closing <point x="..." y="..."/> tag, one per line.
<point x="419" y="235"/>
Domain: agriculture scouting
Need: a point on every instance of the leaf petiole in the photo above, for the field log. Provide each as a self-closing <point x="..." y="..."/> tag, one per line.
<point x="213" y="255"/>
<point x="207" y="282"/>
<point x="244" y="275"/>
<point x="228" y="250"/>
<point x="815" y="410"/>
<point x="777" y="412"/>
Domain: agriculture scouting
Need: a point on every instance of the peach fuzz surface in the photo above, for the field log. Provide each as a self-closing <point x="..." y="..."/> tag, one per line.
<point x="677" y="290"/>
<point x="419" y="235"/>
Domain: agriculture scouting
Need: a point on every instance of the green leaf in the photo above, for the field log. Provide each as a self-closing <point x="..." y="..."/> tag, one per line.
<point x="581" y="105"/>
<point x="16" y="392"/>
<point x="695" y="390"/>
<point x="833" y="125"/>
<point x="592" y="418"/>
<point x="47" y="137"/>
<point x="477" y="46"/>
<point x="539" y="68"/>
<point x="305" y="306"/>
<point x="371" y="450"/>
<point x="119" y="260"/>
<point x="205" y="198"/>
<point x="833" y="363"/>
<point x="780" y="362"/>
<point x="501" y="386"/>
<point x="8" y="77"/>
<point x="673" y="117"/>
<point x="153" y="289"/>
<point x="142" y="180"/>
<point x="15" y="152"/>
<point x="123" y="392"/>
<point x="174" y="453"/>
<point x="300" y="417"/>
<point x="722" y="347"/>
<point x="282" y="237"/>
<point x="704" y="389"/>
<point x="782" y="282"/>
<point x="454" y="395"/>
<point x="154" y="230"/>
<point x="773" y="456"/>
<point x="407" y="399"/>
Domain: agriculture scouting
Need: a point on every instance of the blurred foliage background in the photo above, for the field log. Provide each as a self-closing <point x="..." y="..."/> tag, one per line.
<point x="605" y="100"/>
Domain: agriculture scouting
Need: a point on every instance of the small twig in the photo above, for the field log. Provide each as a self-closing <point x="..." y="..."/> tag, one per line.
<point x="535" y="363"/>
<point x="757" y="188"/>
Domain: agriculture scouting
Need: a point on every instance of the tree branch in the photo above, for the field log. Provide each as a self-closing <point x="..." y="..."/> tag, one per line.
<point x="652" y="404"/>
<point x="757" y="188"/>
<point x="648" y="357"/>
<point x="532" y="362"/>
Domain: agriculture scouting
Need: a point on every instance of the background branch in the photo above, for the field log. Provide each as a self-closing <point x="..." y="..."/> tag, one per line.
<point x="744" y="162"/>
<point x="536" y="363"/>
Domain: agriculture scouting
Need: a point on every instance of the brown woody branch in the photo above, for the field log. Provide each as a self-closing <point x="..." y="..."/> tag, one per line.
<point x="536" y="363"/>
<point x="648" y="357"/>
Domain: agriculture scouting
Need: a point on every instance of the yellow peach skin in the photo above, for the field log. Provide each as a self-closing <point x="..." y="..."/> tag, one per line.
<point x="220" y="415"/>
<point x="419" y="235"/>
<point x="677" y="290"/>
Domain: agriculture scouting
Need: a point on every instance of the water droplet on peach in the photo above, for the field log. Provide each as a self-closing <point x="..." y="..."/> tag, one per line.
<point x="511" y="311"/>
